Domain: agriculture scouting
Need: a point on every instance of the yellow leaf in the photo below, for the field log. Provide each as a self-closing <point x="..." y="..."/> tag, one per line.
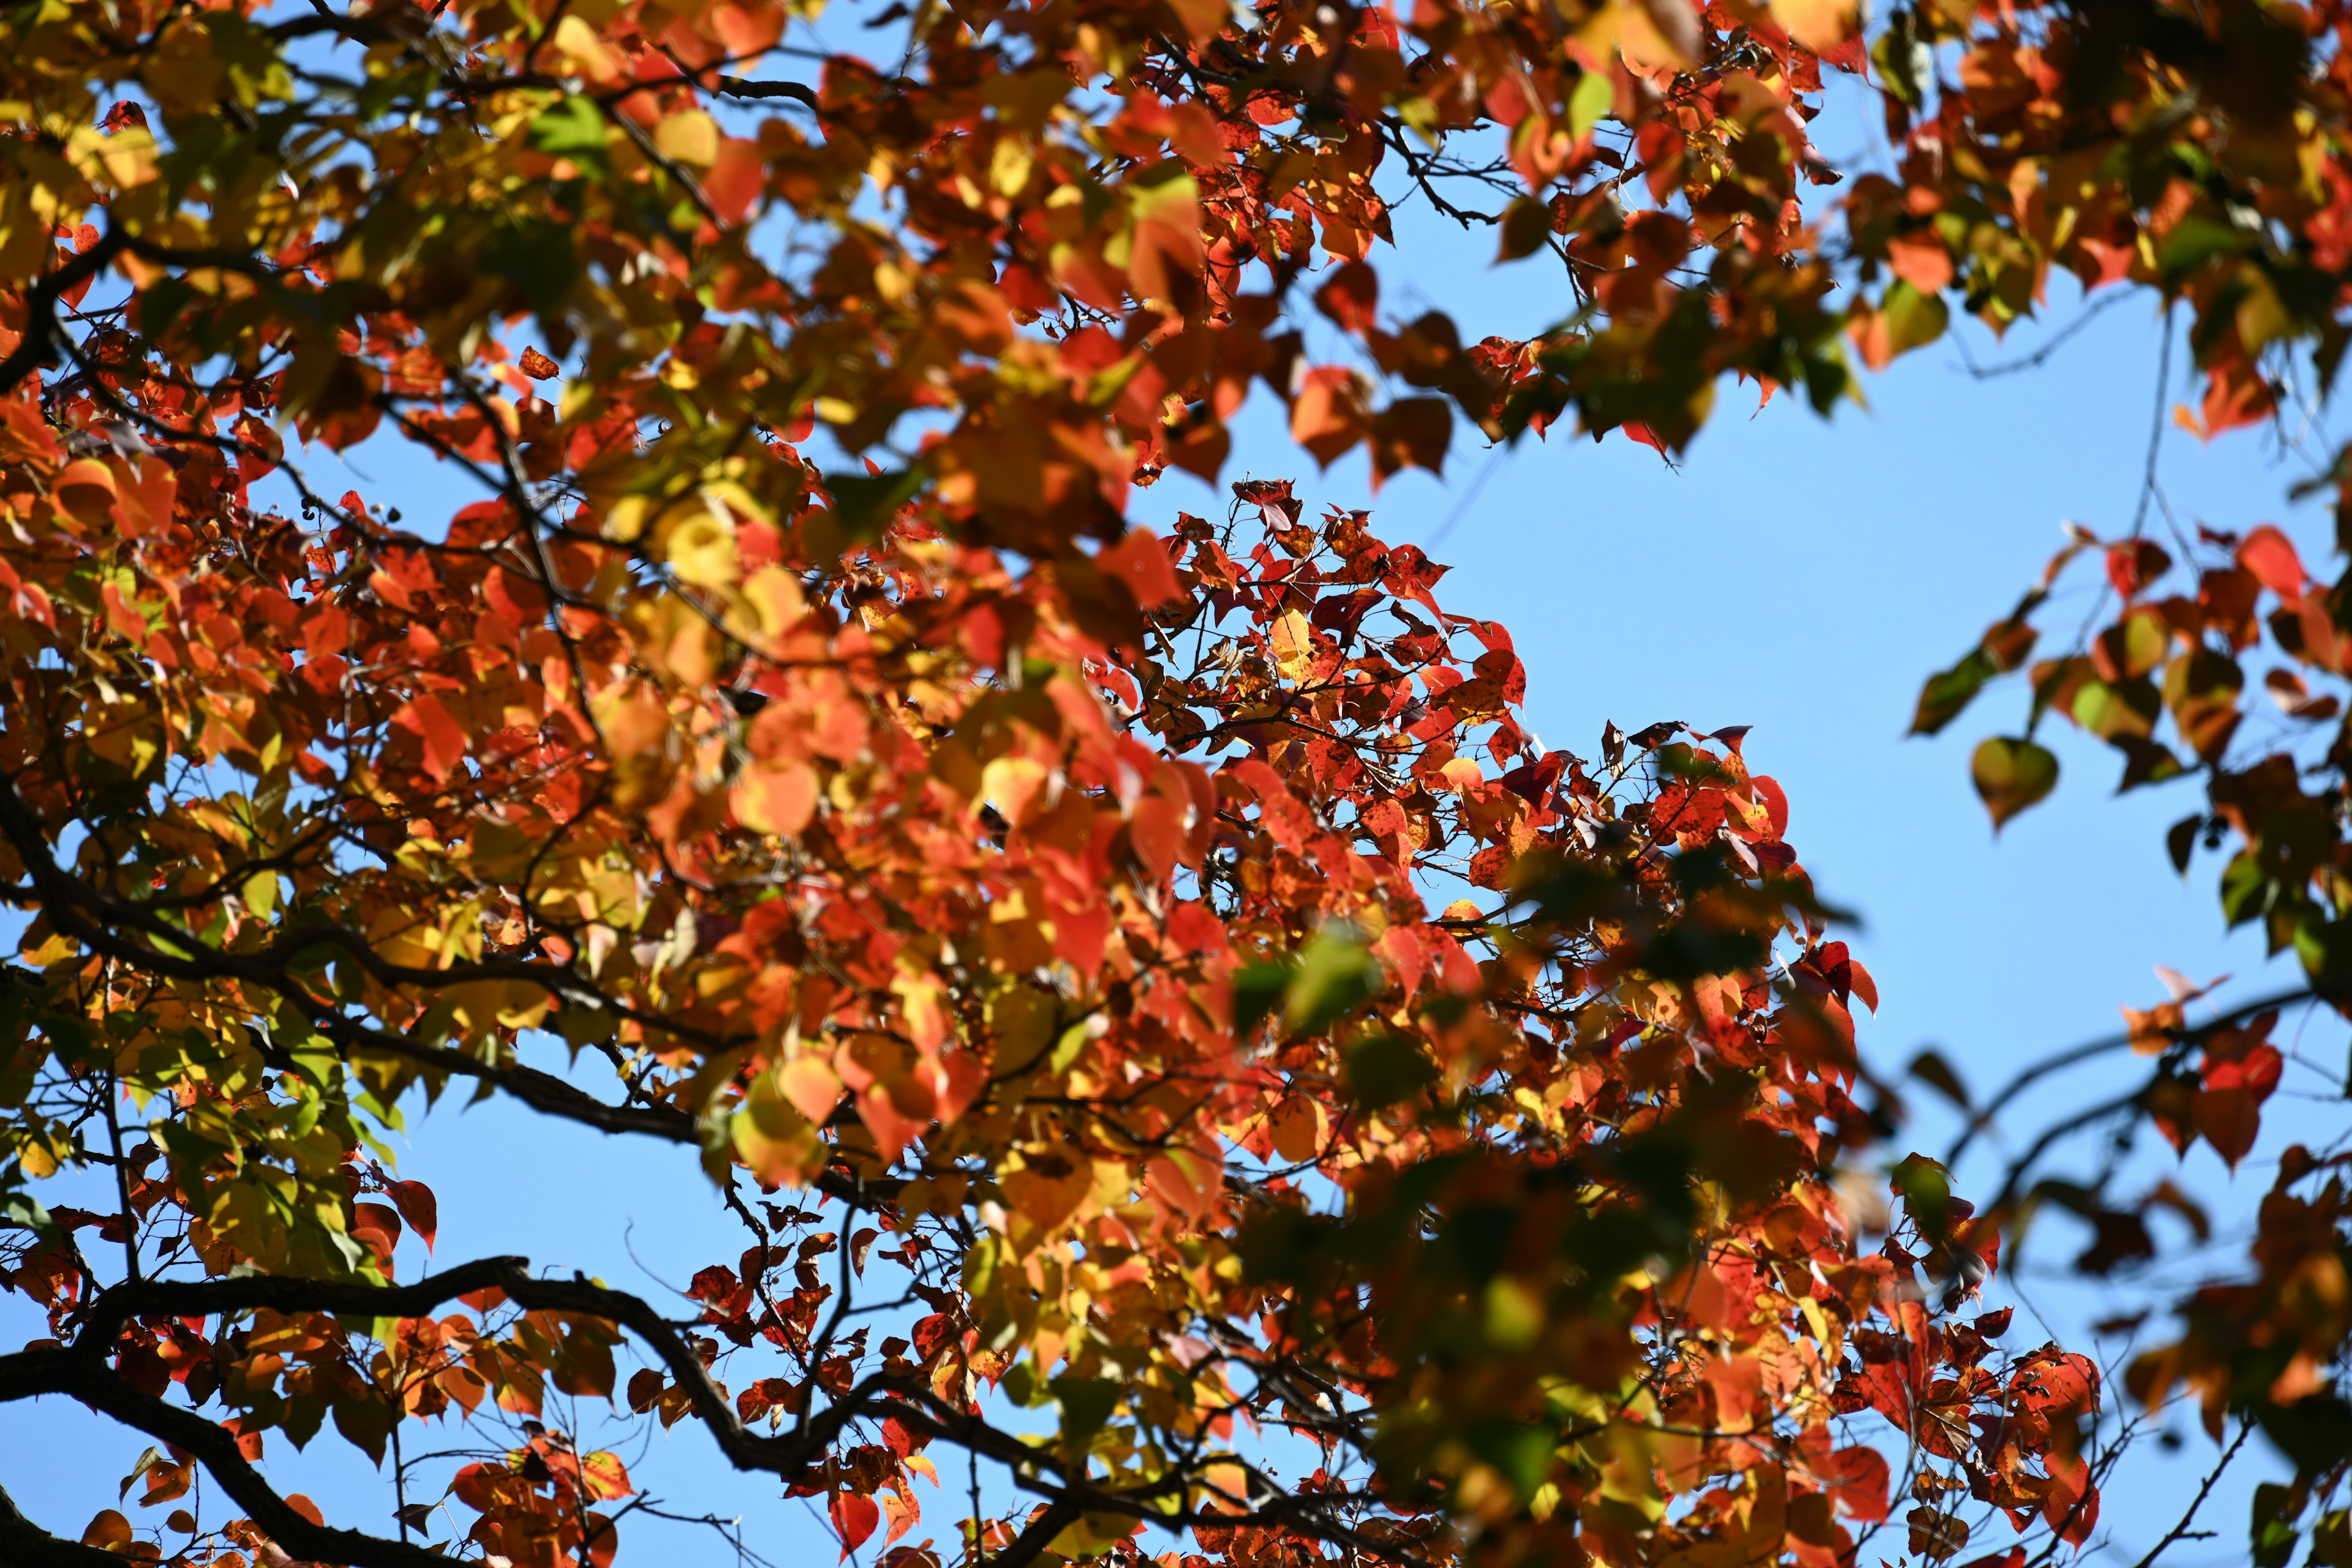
<point x="775" y="1141"/>
<point x="775" y="596"/>
<point x="701" y="550"/>
<point x="691" y="137"/>
<point x="1294" y="645"/>
<point x="1013" y="785"/>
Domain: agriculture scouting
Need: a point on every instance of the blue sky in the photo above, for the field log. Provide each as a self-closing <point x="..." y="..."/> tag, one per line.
<point x="1797" y="574"/>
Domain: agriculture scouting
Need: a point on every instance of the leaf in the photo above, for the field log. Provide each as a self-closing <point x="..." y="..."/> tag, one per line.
<point x="418" y="1206"/>
<point x="854" y="1518"/>
<point x="863" y="503"/>
<point x="607" y="1477"/>
<point x="2012" y="775"/>
<point x="443" y="740"/>
<point x="1819" y="25"/>
<point x="1351" y="297"/>
<point x="1526" y="228"/>
<point x="1930" y="1069"/>
<point x="777" y="797"/>
<point x="107" y="1530"/>
<point x="575" y="128"/>
<point x="1925" y="1189"/>
<point x="378" y="1225"/>
<point x="1384" y="1069"/>
<point x="1948" y="694"/>
<point x="2270" y="556"/>
<point x="1087" y="1405"/>
<point x="1257" y="991"/>
<point x="1335" y="974"/>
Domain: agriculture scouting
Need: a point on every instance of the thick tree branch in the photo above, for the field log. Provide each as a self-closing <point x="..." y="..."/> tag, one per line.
<point x="27" y="1545"/>
<point x="85" y="1377"/>
<point x="1027" y="1547"/>
<point x="82" y="1367"/>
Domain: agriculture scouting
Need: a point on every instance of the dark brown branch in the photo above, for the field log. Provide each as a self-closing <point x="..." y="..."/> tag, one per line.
<point x="35" y="1371"/>
<point x="2181" y="1531"/>
<point x="87" y="1377"/>
<point x="737" y="87"/>
<point x="1027" y="1547"/>
<point x="27" y="1545"/>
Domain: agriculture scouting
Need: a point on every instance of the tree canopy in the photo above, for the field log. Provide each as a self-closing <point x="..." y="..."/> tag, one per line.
<point x="1166" y="1029"/>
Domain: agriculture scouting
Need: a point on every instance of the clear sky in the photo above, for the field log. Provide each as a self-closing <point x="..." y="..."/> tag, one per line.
<point x="1793" y="573"/>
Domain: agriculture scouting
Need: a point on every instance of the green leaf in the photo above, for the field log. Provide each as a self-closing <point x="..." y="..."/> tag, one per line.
<point x="1257" y="991"/>
<point x="574" y="128"/>
<point x="2273" y="1532"/>
<point x="1951" y="690"/>
<point x="2180" y="840"/>
<point x="1925" y="1189"/>
<point x="2326" y="948"/>
<point x="2246" y="891"/>
<point x="1523" y="1454"/>
<point x="1384" y="1069"/>
<point x="1334" y="975"/>
<point x="1913" y="320"/>
<point x="865" y="503"/>
<point x="2012" y="775"/>
<point x="1087" y="1405"/>
<point x="1594" y="97"/>
<point x="2196" y="240"/>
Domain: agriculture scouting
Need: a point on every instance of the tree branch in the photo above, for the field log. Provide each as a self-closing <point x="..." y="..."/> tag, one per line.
<point x="87" y="1377"/>
<point x="737" y="87"/>
<point x="27" y="1545"/>
<point x="2181" y="1532"/>
<point x="2085" y="1052"/>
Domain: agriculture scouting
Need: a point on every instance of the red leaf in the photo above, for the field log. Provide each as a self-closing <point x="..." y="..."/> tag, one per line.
<point x="1351" y="297"/>
<point x="602" y="1537"/>
<point x="2230" y="1119"/>
<point x="2134" y="564"/>
<point x="1857" y="1481"/>
<point x="645" y="1387"/>
<point x="377" y="1225"/>
<point x="2270" y="556"/>
<point x="418" y="1206"/>
<point x="854" y="1518"/>
<point x="1141" y="561"/>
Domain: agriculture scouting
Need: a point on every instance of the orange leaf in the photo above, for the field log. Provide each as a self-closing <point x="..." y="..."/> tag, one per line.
<point x="445" y="742"/>
<point x="776" y="797"/>
<point x="605" y="1476"/>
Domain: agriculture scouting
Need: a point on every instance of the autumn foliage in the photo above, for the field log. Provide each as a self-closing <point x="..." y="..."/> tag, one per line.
<point x="1154" y="1011"/>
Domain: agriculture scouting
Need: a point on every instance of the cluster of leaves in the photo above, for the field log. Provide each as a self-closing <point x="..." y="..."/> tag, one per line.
<point x="1178" y="949"/>
<point x="1101" y="970"/>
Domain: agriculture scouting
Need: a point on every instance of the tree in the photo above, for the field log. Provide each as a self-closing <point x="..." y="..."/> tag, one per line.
<point x="1161" y="975"/>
